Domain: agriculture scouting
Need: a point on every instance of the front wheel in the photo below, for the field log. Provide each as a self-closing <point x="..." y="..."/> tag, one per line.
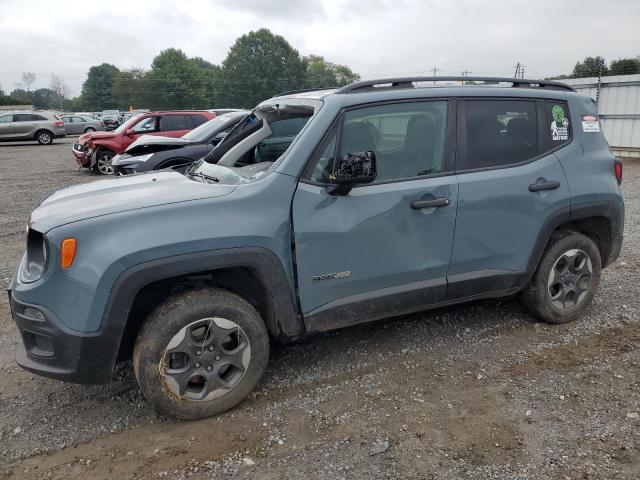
<point x="566" y="280"/>
<point x="200" y="353"/>
<point x="103" y="162"/>
<point x="89" y="130"/>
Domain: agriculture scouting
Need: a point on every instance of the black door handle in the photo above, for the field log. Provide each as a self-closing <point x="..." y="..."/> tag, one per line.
<point x="539" y="186"/>
<point x="436" y="202"/>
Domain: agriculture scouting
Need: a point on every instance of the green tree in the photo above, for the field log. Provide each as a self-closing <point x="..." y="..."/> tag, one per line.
<point x="98" y="88"/>
<point x="131" y="88"/>
<point x="624" y="66"/>
<point x="590" y="67"/>
<point x="258" y="66"/>
<point x="209" y="79"/>
<point x="321" y="74"/>
<point x="44" y="99"/>
<point x="176" y="81"/>
<point x="20" y="97"/>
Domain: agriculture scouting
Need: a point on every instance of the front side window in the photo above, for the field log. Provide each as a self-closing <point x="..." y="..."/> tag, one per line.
<point x="6" y="118"/>
<point x="499" y="133"/>
<point x="78" y="120"/>
<point x="407" y="138"/>
<point x="146" y="125"/>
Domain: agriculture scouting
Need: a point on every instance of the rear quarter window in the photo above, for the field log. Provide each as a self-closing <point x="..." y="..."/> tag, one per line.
<point x="558" y="124"/>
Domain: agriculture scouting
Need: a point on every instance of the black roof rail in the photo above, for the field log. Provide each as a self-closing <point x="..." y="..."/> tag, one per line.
<point x="303" y="90"/>
<point x="407" y="82"/>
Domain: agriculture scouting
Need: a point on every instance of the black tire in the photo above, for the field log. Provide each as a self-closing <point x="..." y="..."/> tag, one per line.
<point x="44" y="137"/>
<point x="103" y="162"/>
<point x="89" y="130"/>
<point x="552" y="295"/>
<point x="175" y="315"/>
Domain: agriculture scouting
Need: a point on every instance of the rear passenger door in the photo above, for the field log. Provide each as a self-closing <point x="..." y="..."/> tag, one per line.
<point x="23" y="124"/>
<point x="511" y="189"/>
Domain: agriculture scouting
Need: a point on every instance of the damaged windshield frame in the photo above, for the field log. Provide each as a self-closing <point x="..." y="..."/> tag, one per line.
<point x="243" y="140"/>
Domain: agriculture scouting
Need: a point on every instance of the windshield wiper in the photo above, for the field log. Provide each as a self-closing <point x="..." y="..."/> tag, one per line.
<point x="204" y="176"/>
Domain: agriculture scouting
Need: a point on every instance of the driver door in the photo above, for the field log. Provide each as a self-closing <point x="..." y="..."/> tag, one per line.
<point x="375" y="252"/>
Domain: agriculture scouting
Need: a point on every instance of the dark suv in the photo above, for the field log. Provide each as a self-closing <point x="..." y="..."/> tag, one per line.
<point x="317" y="211"/>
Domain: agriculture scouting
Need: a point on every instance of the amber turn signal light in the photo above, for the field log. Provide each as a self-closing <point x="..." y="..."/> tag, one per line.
<point x="68" y="252"/>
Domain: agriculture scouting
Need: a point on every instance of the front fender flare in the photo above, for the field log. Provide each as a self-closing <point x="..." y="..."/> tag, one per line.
<point x="263" y="263"/>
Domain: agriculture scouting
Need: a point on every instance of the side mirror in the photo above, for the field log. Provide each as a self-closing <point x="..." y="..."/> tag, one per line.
<point x="130" y="132"/>
<point x="350" y="170"/>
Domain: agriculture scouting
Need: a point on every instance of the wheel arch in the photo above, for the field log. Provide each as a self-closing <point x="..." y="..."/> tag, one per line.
<point x="602" y="222"/>
<point x="255" y="274"/>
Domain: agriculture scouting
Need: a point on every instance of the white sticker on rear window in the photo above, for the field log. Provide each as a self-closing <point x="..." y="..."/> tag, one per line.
<point x="590" y="124"/>
<point x="560" y="124"/>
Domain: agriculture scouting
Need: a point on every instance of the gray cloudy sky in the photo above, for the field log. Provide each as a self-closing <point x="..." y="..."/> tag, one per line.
<point x="374" y="37"/>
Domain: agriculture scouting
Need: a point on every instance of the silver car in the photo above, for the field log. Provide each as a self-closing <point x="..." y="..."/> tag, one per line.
<point x="42" y="127"/>
<point x="79" y="124"/>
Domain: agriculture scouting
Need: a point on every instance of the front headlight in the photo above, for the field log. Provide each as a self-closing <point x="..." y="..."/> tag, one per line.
<point x="142" y="158"/>
<point x="34" y="261"/>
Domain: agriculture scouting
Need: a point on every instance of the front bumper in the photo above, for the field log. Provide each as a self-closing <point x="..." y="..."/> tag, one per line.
<point x="124" y="164"/>
<point x="51" y="349"/>
<point x="82" y="154"/>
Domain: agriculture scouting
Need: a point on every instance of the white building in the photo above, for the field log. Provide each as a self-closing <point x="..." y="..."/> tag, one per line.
<point x="619" y="109"/>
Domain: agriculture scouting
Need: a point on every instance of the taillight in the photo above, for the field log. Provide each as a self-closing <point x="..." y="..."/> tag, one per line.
<point x="618" y="171"/>
<point x="58" y="123"/>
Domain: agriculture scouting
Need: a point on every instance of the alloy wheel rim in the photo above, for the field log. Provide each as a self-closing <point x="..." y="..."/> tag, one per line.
<point x="570" y="279"/>
<point x="44" y="138"/>
<point x="206" y="359"/>
<point x="104" y="164"/>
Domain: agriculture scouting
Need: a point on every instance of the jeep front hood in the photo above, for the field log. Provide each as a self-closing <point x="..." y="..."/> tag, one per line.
<point x="120" y="194"/>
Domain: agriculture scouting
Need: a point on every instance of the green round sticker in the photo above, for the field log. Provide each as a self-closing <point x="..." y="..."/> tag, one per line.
<point x="558" y="113"/>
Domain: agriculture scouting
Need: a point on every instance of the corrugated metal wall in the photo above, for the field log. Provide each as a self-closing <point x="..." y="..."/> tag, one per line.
<point x="619" y="109"/>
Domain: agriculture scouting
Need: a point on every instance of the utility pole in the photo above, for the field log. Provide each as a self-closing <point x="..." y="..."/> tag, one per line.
<point x="522" y="71"/>
<point x="600" y="67"/>
<point x="517" y="72"/>
<point x="435" y="70"/>
<point x="465" y="73"/>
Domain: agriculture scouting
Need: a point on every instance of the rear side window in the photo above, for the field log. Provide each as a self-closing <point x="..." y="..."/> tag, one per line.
<point x="171" y="123"/>
<point x="22" y="117"/>
<point x="37" y="117"/>
<point x="559" y="125"/>
<point x="499" y="133"/>
<point x="197" y="120"/>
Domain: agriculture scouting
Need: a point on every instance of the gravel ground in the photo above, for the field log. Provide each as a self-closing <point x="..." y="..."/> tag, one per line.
<point x="480" y="390"/>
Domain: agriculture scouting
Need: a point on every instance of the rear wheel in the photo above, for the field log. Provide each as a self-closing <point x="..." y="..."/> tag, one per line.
<point x="103" y="162"/>
<point x="200" y="353"/>
<point x="566" y="280"/>
<point x="44" y="137"/>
